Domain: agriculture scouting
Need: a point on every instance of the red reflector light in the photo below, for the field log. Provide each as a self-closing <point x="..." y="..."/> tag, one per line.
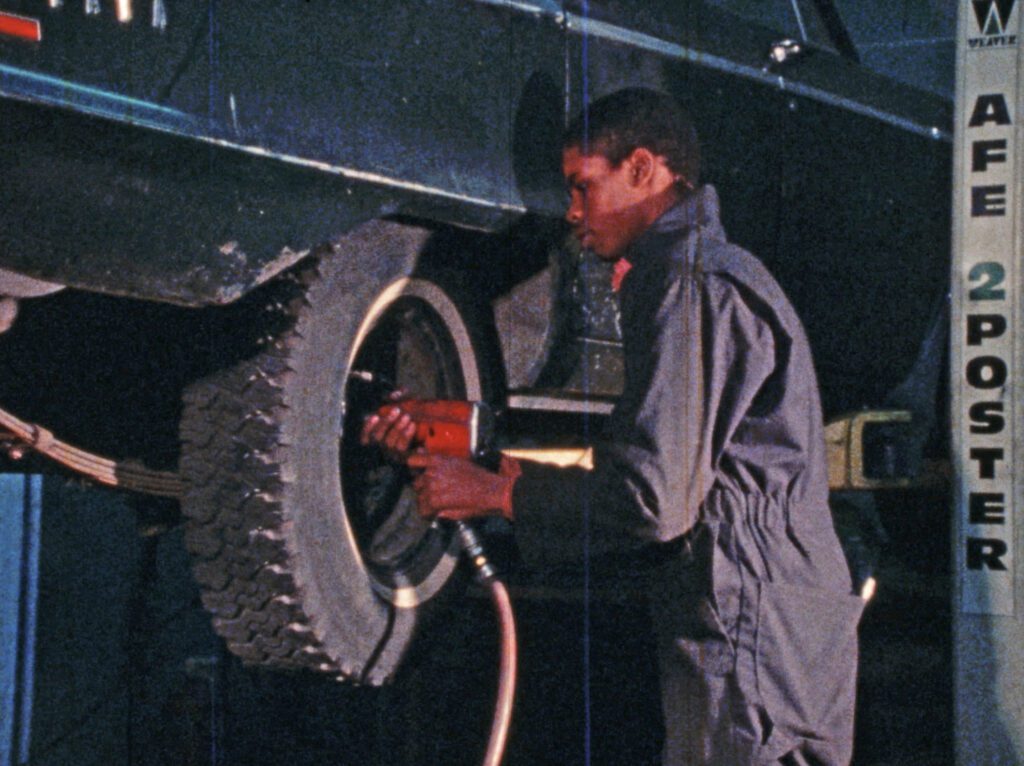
<point x="20" y="27"/>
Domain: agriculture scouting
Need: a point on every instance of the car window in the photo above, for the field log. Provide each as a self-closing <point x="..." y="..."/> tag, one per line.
<point x="798" y="20"/>
<point x="795" y="19"/>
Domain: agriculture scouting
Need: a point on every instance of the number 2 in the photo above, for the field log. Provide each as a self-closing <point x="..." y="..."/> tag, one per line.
<point x="993" y="275"/>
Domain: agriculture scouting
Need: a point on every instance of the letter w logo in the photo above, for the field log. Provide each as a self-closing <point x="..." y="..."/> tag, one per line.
<point x="993" y="15"/>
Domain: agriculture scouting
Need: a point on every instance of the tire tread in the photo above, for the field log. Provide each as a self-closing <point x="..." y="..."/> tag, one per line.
<point x="237" y="526"/>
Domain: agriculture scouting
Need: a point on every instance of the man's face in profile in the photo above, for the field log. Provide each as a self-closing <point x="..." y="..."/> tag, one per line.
<point x="605" y="202"/>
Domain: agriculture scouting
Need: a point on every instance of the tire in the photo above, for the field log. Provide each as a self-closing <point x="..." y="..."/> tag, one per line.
<point x="307" y="546"/>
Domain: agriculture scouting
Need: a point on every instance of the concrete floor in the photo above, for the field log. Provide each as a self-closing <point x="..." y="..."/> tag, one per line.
<point x="128" y="671"/>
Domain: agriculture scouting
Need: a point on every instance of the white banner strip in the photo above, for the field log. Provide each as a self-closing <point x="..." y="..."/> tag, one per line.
<point x="986" y="293"/>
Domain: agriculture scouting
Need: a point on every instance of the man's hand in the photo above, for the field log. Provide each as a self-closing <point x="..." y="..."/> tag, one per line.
<point x="459" y="489"/>
<point x="393" y="432"/>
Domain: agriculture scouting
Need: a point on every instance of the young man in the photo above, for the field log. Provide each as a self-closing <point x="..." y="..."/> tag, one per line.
<point x="713" y="468"/>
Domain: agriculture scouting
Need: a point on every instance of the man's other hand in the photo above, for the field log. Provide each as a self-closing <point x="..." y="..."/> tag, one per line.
<point x="393" y="432"/>
<point x="458" y="489"/>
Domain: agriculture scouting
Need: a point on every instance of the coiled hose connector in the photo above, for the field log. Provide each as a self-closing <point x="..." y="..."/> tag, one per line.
<point x="483" y="570"/>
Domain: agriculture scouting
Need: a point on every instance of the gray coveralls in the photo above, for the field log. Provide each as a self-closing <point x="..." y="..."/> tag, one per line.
<point x="715" y="459"/>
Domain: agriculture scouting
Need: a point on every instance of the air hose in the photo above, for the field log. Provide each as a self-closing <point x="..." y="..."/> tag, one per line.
<point x="17" y="435"/>
<point x="487" y="576"/>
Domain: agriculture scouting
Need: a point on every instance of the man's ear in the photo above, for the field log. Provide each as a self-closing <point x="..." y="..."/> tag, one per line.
<point x="641" y="166"/>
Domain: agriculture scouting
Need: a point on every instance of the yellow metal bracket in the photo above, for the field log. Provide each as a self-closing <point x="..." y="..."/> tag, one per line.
<point x="844" y="443"/>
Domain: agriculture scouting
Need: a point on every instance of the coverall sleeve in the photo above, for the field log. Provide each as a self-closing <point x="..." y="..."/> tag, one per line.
<point x="697" y="355"/>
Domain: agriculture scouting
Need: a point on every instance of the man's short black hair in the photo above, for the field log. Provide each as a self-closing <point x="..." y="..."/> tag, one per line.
<point x="616" y="124"/>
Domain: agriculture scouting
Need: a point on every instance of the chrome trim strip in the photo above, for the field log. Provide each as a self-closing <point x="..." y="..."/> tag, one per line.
<point x="541" y="8"/>
<point x="799" y="19"/>
<point x="547" y="403"/>
<point x="362" y="175"/>
<point x="32" y="86"/>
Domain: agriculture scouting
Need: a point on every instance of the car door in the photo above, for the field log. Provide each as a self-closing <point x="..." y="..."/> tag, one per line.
<point x="418" y="95"/>
<point x="865" y="218"/>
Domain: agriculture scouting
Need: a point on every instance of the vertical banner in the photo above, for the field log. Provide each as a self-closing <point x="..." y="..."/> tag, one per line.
<point x="986" y="385"/>
<point x="986" y="284"/>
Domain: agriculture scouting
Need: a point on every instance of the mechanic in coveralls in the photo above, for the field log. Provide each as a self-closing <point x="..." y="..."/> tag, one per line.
<point x="714" y="459"/>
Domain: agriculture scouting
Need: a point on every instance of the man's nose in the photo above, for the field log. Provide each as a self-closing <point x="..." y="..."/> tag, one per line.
<point x="574" y="213"/>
